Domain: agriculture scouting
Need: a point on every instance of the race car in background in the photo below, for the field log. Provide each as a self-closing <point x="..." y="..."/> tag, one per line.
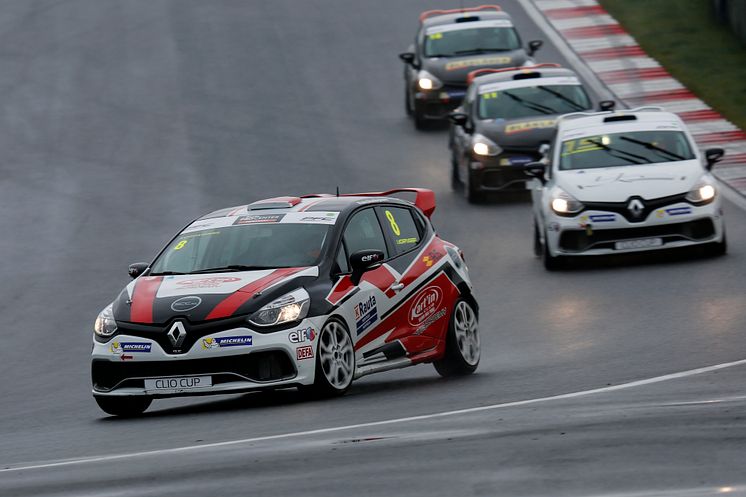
<point x="448" y="45"/>
<point x="308" y="292"/>
<point x="506" y="117"/>
<point x="620" y="182"/>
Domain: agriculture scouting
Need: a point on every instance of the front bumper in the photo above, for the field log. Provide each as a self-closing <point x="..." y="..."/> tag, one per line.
<point x="502" y="173"/>
<point x="602" y="233"/>
<point x="436" y="104"/>
<point x="233" y="362"/>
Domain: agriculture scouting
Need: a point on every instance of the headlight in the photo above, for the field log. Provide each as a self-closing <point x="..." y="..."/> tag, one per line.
<point x="426" y="81"/>
<point x="563" y="203"/>
<point x="703" y="193"/>
<point x="481" y="145"/>
<point x="287" y="309"/>
<point x="105" y="326"/>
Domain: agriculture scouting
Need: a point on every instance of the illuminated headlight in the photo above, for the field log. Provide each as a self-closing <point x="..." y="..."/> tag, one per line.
<point x="563" y="203"/>
<point x="703" y="193"/>
<point x="481" y="145"/>
<point x="426" y="81"/>
<point x="105" y="326"/>
<point x="289" y="308"/>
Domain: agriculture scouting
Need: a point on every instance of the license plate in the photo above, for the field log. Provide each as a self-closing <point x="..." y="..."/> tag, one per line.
<point x="638" y="244"/>
<point x="180" y="383"/>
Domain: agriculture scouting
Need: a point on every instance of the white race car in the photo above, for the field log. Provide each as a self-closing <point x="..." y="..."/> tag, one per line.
<point x="624" y="181"/>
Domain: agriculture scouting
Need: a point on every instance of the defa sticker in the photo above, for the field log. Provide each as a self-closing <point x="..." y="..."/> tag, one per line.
<point x="211" y="282"/>
<point x="425" y="305"/>
<point x="305" y="352"/>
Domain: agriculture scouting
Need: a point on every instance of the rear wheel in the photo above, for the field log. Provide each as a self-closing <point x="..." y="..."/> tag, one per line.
<point x="462" y="342"/>
<point x="335" y="361"/>
<point x="124" y="406"/>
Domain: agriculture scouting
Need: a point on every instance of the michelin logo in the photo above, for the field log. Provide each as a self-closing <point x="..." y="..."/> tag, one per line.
<point x="215" y="343"/>
<point x="122" y="347"/>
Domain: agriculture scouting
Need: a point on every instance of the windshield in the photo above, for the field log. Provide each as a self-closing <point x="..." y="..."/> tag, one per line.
<point x="533" y="100"/>
<point x="243" y="247"/>
<point x="471" y="41"/>
<point x="625" y="149"/>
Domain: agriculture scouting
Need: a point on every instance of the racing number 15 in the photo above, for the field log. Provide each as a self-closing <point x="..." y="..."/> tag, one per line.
<point x="394" y="226"/>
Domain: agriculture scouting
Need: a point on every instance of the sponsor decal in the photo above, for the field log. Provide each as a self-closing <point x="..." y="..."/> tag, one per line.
<point x="425" y="305"/>
<point x="660" y="212"/>
<point x="366" y="313"/>
<point x="185" y="304"/>
<point x="406" y="241"/>
<point x="515" y="160"/>
<point x="218" y="342"/>
<point x="481" y="61"/>
<point x="603" y="218"/>
<point x="432" y="257"/>
<point x="678" y="211"/>
<point x="300" y="336"/>
<point x="429" y="321"/>
<point x="305" y="352"/>
<point x="528" y="126"/>
<point x="122" y="347"/>
<point x="311" y="217"/>
<point x="258" y="219"/>
<point x="553" y="227"/>
<point x="211" y="282"/>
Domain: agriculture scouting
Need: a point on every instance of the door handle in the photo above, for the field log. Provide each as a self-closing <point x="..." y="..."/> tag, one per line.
<point x="398" y="287"/>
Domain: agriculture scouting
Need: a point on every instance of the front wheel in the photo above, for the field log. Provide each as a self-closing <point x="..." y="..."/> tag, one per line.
<point x="551" y="262"/>
<point x="124" y="406"/>
<point x="471" y="191"/>
<point x="335" y="361"/>
<point x="716" y="249"/>
<point x="462" y="342"/>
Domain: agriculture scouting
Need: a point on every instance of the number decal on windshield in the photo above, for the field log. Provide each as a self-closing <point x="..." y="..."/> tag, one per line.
<point x="180" y="245"/>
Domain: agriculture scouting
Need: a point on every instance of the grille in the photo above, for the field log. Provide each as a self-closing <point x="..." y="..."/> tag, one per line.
<point x="258" y="366"/>
<point x="579" y="240"/>
<point x="648" y="206"/>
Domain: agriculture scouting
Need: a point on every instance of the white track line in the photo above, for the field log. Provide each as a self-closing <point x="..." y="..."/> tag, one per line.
<point x="471" y="410"/>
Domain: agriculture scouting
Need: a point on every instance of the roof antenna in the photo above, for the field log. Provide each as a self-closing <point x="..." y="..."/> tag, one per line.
<point x="337" y="190"/>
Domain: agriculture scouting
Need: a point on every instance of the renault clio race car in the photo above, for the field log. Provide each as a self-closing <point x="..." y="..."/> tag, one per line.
<point x="309" y="292"/>
<point x="625" y="182"/>
<point x="506" y="117"/>
<point x="448" y="45"/>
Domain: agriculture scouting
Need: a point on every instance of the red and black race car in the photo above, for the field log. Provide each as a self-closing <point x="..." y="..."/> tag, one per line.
<point x="309" y="292"/>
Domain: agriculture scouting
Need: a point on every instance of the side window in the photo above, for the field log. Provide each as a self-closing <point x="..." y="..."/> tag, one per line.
<point x="343" y="264"/>
<point x="364" y="232"/>
<point x="400" y="227"/>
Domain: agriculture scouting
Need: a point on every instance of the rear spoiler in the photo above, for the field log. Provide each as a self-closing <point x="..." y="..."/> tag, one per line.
<point x="481" y="72"/>
<point x="424" y="198"/>
<point x="432" y="13"/>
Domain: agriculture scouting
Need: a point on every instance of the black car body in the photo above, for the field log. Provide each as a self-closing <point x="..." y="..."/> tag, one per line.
<point x="451" y="43"/>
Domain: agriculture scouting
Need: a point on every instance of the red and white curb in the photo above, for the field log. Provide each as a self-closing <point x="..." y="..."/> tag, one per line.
<point x="637" y="79"/>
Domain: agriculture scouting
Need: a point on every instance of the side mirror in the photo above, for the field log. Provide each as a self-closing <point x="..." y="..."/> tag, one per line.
<point x="458" y="118"/>
<point x="536" y="170"/>
<point x="137" y="269"/>
<point x="544" y="149"/>
<point x="363" y="261"/>
<point x="407" y="58"/>
<point x="713" y="156"/>
<point x="534" y="46"/>
<point x="605" y="105"/>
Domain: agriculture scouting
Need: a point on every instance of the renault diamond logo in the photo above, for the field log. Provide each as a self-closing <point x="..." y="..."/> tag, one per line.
<point x="635" y="207"/>
<point x="177" y="334"/>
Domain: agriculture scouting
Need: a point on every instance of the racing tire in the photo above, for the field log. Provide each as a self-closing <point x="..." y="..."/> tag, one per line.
<point x="335" y="361"/>
<point x="462" y="342"/>
<point x="717" y="249"/>
<point x="420" y="123"/>
<point x="407" y="102"/>
<point x="455" y="181"/>
<point x="472" y="195"/>
<point x="124" y="407"/>
<point x="538" y="246"/>
<point x="551" y="262"/>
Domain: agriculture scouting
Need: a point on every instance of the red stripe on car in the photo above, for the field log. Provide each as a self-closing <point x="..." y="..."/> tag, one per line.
<point x="143" y="297"/>
<point x="231" y="303"/>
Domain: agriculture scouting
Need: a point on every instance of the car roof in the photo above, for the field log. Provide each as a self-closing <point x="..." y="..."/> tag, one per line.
<point x="641" y="117"/>
<point x="444" y="19"/>
<point x="538" y="72"/>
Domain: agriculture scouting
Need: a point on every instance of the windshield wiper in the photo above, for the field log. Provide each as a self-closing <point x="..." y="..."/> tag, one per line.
<point x="474" y="51"/>
<point x="439" y="55"/>
<point x="611" y="151"/>
<point x="166" y="273"/>
<point x="229" y="268"/>
<point x="557" y="94"/>
<point x="531" y="105"/>
<point x="651" y="146"/>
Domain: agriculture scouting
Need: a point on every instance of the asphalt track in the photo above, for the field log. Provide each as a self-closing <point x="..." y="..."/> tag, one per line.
<point x="122" y="121"/>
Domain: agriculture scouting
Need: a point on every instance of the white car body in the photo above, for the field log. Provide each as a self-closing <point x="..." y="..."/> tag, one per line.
<point x="610" y="195"/>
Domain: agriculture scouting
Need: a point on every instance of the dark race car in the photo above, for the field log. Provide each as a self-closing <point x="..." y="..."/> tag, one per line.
<point x="309" y="292"/>
<point x="506" y="117"/>
<point x="448" y="45"/>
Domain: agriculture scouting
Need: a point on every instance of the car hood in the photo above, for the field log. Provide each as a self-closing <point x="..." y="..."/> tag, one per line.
<point x="158" y="299"/>
<point x="453" y="70"/>
<point x="524" y="133"/>
<point x="617" y="184"/>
